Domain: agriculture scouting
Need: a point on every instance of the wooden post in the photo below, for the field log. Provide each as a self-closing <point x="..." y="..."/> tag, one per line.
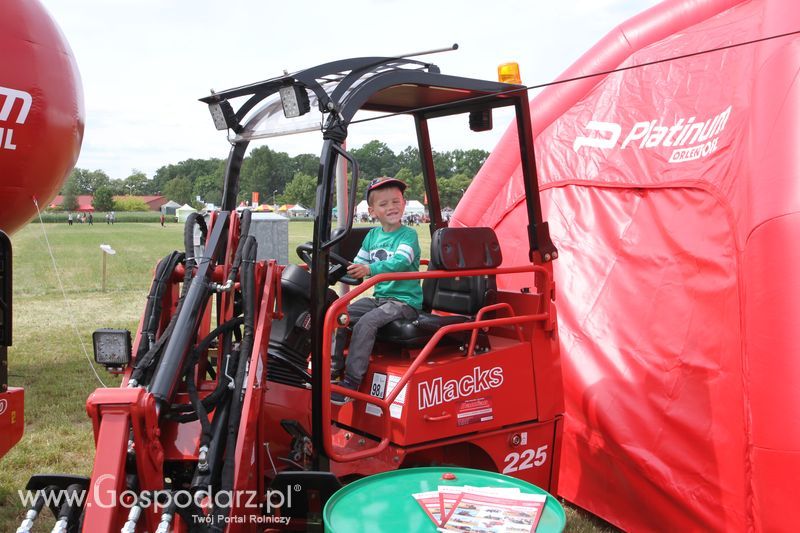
<point x="106" y="249"/>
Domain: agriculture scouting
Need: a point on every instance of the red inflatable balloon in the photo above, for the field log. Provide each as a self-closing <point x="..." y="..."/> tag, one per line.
<point x="41" y="111"/>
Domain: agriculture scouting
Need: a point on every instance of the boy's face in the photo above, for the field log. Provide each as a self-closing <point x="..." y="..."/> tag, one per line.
<point x="387" y="205"/>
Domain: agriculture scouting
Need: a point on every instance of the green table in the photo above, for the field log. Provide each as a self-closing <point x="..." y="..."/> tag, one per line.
<point x="384" y="502"/>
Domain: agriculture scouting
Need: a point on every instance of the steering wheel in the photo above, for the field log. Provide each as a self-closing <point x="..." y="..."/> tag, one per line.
<point x="337" y="270"/>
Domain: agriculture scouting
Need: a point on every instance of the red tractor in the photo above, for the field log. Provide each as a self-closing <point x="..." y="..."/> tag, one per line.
<point x="224" y="416"/>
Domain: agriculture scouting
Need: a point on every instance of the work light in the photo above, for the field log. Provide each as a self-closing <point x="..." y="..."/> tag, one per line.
<point x="223" y="115"/>
<point x="112" y="348"/>
<point x="294" y="100"/>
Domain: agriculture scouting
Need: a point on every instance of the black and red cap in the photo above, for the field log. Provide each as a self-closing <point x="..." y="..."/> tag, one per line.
<point x="384" y="181"/>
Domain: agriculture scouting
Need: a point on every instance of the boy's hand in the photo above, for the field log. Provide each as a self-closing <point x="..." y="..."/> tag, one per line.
<point x="358" y="271"/>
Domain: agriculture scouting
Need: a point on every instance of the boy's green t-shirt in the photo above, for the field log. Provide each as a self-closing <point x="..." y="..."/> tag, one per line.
<point x="395" y="251"/>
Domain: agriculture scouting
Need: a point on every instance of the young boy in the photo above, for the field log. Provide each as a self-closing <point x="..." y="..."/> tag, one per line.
<point x="389" y="248"/>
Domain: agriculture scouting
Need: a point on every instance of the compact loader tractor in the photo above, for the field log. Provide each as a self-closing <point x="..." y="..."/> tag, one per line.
<point x="223" y="419"/>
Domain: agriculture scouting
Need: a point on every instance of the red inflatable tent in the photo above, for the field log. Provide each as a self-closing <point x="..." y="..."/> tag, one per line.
<point x="673" y="194"/>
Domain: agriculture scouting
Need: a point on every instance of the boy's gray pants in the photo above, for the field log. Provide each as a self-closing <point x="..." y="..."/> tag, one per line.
<point x="366" y="316"/>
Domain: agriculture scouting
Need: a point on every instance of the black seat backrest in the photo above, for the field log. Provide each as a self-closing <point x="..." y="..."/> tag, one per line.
<point x="350" y="245"/>
<point x="455" y="249"/>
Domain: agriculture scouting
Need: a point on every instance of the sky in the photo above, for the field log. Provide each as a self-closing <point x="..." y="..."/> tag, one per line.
<point x="145" y="63"/>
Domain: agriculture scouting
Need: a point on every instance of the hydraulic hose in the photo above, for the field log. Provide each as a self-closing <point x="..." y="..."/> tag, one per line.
<point x="244" y="229"/>
<point x="142" y="370"/>
<point x="249" y="305"/>
<point x="167" y="374"/>
<point x="147" y="357"/>
<point x="210" y="477"/>
<point x="152" y="312"/>
<point x="34" y="510"/>
<point x="201" y="406"/>
<point x="147" y="352"/>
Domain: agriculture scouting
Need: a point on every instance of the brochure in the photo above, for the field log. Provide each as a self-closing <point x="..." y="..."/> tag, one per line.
<point x="429" y="501"/>
<point x="449" y="496"/>
<point x="483" y="512"/>
<point x="482" y="509"/>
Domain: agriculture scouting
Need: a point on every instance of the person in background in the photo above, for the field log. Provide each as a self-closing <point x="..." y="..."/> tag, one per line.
<point x="162" y="220"/>
<point x="69" y="218"/>
<point x="91" y="219"/>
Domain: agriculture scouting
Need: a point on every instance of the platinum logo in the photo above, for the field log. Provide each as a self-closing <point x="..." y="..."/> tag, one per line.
<point x="439" y="391"/>
<point x="9" y="98"/>
<point x="689" y="139"/>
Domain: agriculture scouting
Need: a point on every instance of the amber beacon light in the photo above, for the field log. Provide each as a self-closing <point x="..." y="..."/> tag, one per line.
<point x="509" y="73"/>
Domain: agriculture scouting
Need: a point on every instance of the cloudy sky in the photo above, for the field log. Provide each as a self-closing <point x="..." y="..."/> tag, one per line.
<point x="145" y="63"/>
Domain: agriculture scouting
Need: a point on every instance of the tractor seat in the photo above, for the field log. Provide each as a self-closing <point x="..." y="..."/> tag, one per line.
<point x="452" y="249"/>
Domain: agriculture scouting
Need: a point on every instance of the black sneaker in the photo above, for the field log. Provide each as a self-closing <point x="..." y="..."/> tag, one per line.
<point x="341" y="399"/>
<point x="337" y="375"/>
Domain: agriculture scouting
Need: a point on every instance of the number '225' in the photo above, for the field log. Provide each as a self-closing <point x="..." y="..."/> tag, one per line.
<point x="525" y="460"/>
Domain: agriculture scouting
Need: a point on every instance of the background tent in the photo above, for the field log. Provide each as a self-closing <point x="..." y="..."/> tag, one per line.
<point x="414" y="207"/>
<point x="672" y="193"/>
<point x="298" y="210"/>
<point x="170" y="207"/>
<point x="184" y="211"/>
<point x="362" y="208"/>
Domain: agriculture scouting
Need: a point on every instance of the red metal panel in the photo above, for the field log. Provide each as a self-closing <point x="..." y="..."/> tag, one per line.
<point x="114" y="412"/>
<point x="248" y="474"/>
<point x="282" y="403"/>
<point x="548" y="384"/>
<point x="529" y="452"/>
<point x="526" y="451"/>
<point x="12" y="418"/>
<point x="103" y="512"/>
<point x="441" y="396"/>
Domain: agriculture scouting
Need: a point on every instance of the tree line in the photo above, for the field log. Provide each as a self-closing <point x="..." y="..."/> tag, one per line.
<point x="276" y="176"/>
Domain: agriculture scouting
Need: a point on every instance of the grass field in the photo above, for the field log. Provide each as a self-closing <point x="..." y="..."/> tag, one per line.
<point x="52" y="340"/>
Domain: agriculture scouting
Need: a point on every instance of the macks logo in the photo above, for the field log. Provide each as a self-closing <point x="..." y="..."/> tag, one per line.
<point x="690" y="139"/>
<point x="439" y="391"/>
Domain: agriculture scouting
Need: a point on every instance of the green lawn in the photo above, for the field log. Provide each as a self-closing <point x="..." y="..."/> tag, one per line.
<point x="52" y="339"/>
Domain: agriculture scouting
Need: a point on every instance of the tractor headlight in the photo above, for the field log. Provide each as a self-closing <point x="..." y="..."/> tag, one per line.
<point x="112" y="347"/>
<point x="223" y="115"/>
<point x="294" y="100"/>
